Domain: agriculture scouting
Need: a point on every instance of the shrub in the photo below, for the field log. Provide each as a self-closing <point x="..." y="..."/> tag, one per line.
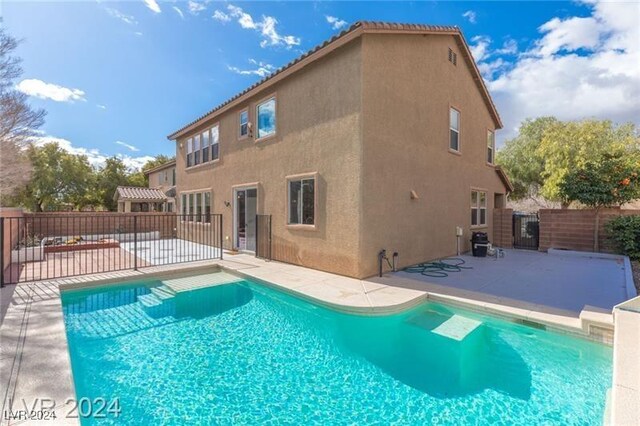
<point x="624" y="232"/>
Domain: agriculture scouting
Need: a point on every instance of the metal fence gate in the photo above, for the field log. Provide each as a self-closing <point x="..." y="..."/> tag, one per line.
<point x="43" y="247"/>
<point x="526" y="231"/>
<point x="263" y="236"/>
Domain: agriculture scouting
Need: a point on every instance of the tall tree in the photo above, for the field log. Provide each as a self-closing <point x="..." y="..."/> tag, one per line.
<point x="521" y="160"/>
<point x="546" y="149"/>
<point x="18" y="121"/>
<point x="59" y="179"/>
<point x="114" y="173"/>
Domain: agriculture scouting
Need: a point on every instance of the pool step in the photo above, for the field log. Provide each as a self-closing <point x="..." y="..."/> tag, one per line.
<point x="159" y="303"/>
<point x="455" y="327"/>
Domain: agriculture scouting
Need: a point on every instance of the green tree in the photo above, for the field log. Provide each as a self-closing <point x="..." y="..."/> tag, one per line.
<point x="568" y="146"/>
<point x="546" y="149"/>
<point x="611" y="180"/>
<point x="59" y="178"/>
<point x="114" y="173"/>
<point x="521" y="160"/>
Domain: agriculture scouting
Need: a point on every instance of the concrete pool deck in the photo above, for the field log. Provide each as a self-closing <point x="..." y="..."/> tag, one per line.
<point x="34" y="358"/>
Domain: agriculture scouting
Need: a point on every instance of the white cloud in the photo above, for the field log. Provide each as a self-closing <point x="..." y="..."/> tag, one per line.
<point x="138" y="33"/>
<point x="178" y="11"/>
<point x="127" y="19"/>
<point x="221" y="16"/>
<point x="509" y="47"/>
<point x="153" y="5"/>
<point x="336" y="23"/>
<point x="480" y="47"/>
<point x="42" y="90"/>
<point x="128" y="146"/>
<point x="470" y="15"/>
<point x="266" y="27"/>
<point x="101" y="106"/>
<point x="195" y="7"/>
<point x="578" y="68"/>
<point x="94" y="156"/>
<point x="262" y="69"/>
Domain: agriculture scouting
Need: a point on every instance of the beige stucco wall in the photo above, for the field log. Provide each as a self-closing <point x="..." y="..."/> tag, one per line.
<point x="408" y="86"/>
<point x="157" y="179"/>
<point x="318" y="130"/>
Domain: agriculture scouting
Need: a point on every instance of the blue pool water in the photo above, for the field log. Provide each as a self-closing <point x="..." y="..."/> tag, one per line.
<point x="245" y="354"/>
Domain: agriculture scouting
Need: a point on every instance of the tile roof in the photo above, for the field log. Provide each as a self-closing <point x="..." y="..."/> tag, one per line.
<point x="355" y="30"/>
<point x="139" y="193"/>
<point x="160" y="167"/>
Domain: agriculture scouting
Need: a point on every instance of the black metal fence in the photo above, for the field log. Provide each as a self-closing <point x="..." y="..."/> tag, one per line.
<point x="48" y="246"/>
<point x="526" y="231"/>
<point x="263" y="236"/>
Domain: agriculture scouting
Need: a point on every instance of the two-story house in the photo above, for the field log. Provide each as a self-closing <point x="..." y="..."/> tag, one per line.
<point x="382" y="137"/>
<point x="158" y="196"/>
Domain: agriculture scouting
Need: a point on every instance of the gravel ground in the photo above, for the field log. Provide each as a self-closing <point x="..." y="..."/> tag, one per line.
<point x="635" y="269"/>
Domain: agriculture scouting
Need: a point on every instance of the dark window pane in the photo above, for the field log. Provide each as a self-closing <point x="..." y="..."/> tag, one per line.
<point x="453" y="140"/>
<point x="205" y="154"/>
<point x="474" y="217"/>
<point x="308" y="201"/>
<point x="214" y="152"/>
<point x="189" y="160"/>
<point x="196" y="157"/>
<point x="483" y="216"/>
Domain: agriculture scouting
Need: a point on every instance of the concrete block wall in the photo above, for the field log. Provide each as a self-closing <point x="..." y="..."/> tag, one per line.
<point x="502" y="228"/>
<point x="574" y="229"/>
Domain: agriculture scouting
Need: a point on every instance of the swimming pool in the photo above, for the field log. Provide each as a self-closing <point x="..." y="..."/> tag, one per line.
<point x="244" y="353"/>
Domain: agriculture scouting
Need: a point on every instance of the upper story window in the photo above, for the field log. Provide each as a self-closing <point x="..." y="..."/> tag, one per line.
<point x="205" y="146"/>
<point x="302" y="201"/>
<point x="196" y="150"/>
<point x="491" y="146"/>
<point x="266" y="113"/>
<point x="454" y="129"/>
<point x="215" y="139"/>
<point x="478" y="208"/>
<point x="190" y="152"/>
<point x="244" y="124"/>
<point x="173" y="176"/>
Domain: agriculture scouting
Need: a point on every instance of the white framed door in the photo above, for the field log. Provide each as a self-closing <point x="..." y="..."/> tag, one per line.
<point x="245" y="207"/>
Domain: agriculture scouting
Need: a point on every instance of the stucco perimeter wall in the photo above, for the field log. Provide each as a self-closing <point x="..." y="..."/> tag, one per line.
<point x="408" y="87"/>
<point x="318" y="130"/>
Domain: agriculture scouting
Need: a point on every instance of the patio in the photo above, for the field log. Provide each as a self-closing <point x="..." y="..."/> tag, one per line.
<point x="560" y="282"/>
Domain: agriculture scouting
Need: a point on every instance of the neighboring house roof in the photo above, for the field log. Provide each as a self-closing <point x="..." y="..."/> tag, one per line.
<point x="160" y="167"/>
<point x="137" y="193"/>
<point x="504" y="178"/>
<point x="356" y="30"/>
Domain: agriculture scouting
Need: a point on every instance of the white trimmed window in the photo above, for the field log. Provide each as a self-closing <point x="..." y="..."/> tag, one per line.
<point x="215" y="139"/>
<point x="205" y="146"/>
<point x="478" y="208"/>
<point x="196" y="206"/>
<point x="454" y="129"/>
<point x="266" y="117"/>
<point x="189" y="152"/>
<point x="302" y="201"/>
<point x="491" y="146"/>
<point x="244" y="123"/>
<point x="196" y="150"/>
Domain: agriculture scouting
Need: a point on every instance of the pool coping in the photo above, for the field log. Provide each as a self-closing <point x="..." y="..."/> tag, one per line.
<point x="23" y="374"/>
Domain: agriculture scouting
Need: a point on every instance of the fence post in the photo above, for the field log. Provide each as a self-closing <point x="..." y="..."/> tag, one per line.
<point x="257" y="235"/>
<point x="135" y="242"/>
<point x="270" y="244"/>
<point x="221" y="236"/>
<point x="2" y="252"/>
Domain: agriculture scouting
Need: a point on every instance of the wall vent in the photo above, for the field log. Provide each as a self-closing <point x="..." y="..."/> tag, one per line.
<point x="453" y="57"/>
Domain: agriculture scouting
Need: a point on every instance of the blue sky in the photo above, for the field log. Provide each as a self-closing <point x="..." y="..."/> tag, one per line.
<point x="117" y="77"/>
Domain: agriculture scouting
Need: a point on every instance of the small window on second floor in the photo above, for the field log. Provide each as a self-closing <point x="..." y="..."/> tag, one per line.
<point x="205" y="146"/>
<point x="454" y="129"/>
<point x="196" y="150"/>
<point x="244" y="124"/>
<point x="190" y="152"/>
<point x="215" y="145"/>
<point x="491" y="146"/>
<point x="266" y="113"/>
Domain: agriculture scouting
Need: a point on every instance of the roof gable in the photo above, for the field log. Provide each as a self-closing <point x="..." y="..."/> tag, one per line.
<point x="353" y="32"/>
